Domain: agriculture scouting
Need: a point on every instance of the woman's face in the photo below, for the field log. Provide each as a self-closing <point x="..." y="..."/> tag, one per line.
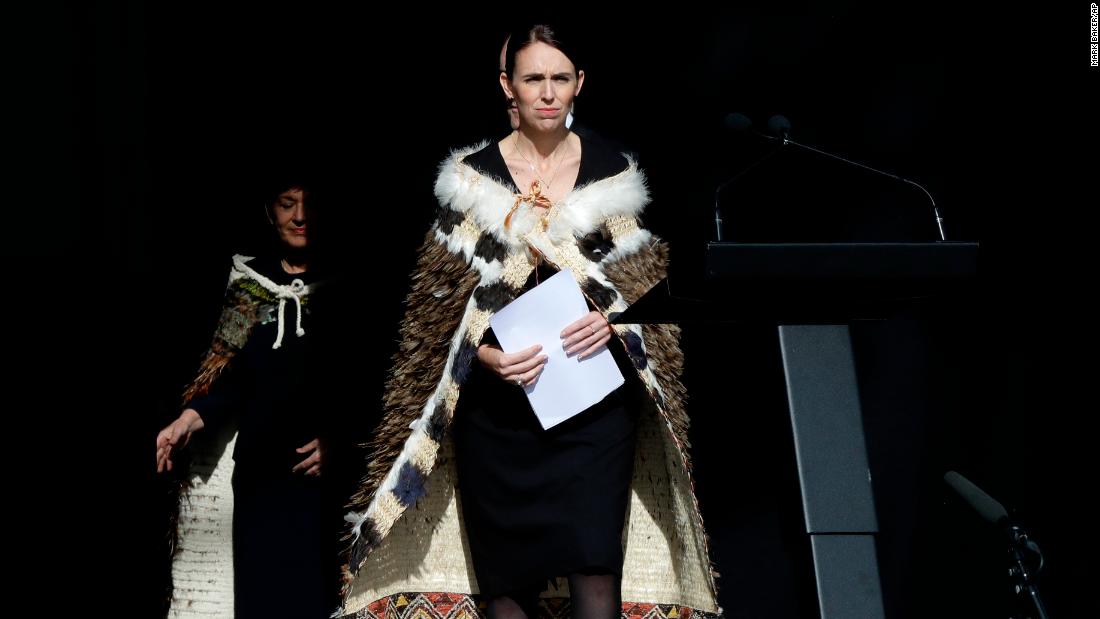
<point x="543" y="85"/>
<point x="289" y="215"/>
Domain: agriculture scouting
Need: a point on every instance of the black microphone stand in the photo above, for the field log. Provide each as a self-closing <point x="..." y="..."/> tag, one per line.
<point x="1020" y="548"/>
<point x="718" y="190"/>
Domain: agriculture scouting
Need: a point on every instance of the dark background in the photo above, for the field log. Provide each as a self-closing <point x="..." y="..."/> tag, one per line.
<point x="140" y="134"/>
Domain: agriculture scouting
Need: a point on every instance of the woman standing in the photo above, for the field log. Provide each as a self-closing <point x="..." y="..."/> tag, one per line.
<point x="466" y="495"/>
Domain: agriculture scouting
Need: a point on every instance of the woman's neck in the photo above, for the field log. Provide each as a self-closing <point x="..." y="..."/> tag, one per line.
<point x="294" y="262"/>
<point x="541" y="142"/>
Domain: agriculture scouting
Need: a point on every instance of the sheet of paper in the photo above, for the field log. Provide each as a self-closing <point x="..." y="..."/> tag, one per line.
<point x="567" y="385"/>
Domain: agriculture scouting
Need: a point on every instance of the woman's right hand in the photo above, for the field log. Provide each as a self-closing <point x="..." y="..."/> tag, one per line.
<point x="176" y="436"/>
<point x="519" y="368"/>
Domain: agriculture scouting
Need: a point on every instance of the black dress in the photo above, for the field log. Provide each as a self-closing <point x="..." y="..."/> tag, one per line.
<point x="543" y="503"/>
<point x="285" y="525"/>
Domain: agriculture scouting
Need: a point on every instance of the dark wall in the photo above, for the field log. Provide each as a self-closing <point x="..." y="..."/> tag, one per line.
<point x="150" y="127"/>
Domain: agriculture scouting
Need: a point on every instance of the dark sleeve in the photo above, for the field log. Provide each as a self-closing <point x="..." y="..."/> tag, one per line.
<point x="222" y="401"/>
<point x="489" y="338"/>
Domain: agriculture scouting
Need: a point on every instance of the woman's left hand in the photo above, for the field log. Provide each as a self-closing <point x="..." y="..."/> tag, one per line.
<point x="312" y="464"/>
<point x="586" y="335"/>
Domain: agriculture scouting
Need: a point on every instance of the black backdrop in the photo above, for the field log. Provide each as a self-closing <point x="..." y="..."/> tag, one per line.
<point x="143" y="130"/>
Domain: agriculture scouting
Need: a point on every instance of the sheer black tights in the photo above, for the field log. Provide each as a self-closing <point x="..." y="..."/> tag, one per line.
<point x="594" y="594"/>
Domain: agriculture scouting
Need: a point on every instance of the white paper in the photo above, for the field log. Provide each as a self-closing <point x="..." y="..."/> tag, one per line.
<point x="567" y="385"/>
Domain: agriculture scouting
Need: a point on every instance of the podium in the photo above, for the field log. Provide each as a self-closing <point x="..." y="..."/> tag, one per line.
<point x="812" y="292"/>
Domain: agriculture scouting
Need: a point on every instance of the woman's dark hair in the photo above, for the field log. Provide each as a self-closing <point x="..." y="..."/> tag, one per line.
<point x="279" y="177"/>
<point x="540" y="33"/>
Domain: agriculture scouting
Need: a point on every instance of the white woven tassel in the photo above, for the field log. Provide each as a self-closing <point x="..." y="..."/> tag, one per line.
<point x="298" y="321"/>
<point x="282" y="313"/>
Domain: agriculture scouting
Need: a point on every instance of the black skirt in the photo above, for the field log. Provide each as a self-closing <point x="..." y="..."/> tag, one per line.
<point x="542" y="503"/>
<point x="285" y="546"/>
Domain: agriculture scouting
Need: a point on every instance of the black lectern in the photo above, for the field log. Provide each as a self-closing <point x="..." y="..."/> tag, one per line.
<point x="812" y="291"/>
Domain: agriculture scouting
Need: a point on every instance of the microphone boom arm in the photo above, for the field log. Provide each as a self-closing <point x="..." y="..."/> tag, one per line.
<point x="935" y="209"/>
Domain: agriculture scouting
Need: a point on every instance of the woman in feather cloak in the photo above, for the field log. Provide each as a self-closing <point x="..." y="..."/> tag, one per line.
<point x="468" y="504"/>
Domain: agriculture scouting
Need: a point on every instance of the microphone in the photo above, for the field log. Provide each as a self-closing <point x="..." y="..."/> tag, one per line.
<point x="1025" y="555"/>
<point x="738" y="122"/>
<point x="735" y="121"/>
<point x="982" y="503"/>
<point x="780" y="128"/>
